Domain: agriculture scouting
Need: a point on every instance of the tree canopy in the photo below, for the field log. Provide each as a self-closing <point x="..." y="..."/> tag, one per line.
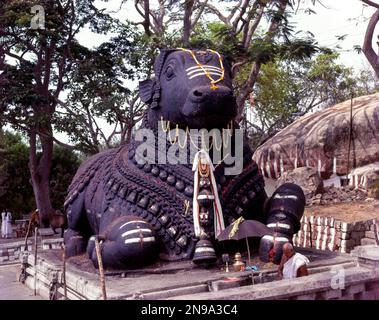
<point x="40" y="63"/>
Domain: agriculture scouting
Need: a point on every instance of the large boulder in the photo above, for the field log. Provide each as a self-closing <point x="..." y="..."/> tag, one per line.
<point x="321" y="140"/>
<point x="305" y="177"/>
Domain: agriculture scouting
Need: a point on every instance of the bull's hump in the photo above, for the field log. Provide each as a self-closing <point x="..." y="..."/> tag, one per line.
<point x="86" y="173"/>
<point x="151" y="180"/>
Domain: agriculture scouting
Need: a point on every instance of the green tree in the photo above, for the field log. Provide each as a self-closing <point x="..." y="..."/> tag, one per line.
<point x="64" y="166"/>
<point x="37" y="60"/>
<point x="97" y="92"/>
<point x="16" y="192"/>
<point x="15" y="187"/>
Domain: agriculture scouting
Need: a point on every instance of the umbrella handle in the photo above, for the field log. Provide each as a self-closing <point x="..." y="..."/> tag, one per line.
<point x="248" y="250"/>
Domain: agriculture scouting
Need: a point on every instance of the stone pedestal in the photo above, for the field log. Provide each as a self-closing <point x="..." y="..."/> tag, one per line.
<point x="368" y="257"/>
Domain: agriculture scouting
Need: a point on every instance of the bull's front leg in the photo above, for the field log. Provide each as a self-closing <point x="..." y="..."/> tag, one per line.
<point x="284" y="211"/>
<point x="128" y="242"/>
<point x="76" y="237"/>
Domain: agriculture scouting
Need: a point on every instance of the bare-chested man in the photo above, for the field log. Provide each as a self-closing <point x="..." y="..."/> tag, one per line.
<point x="293" y="264"/>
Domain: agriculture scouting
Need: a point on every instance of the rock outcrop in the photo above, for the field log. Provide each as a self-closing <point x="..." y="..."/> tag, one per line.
<point x="321" y="140"/>
<point x="332" y="195"/>
<point x="305" y="177"/>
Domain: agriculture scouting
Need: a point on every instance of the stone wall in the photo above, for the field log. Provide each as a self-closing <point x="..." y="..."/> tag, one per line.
<point x="55" y="243"/>
<point x="10" y="252"/>
<point x="327" y="233"/>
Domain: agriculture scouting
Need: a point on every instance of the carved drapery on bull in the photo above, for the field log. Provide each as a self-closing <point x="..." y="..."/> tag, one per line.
<point x="143" y="210"/>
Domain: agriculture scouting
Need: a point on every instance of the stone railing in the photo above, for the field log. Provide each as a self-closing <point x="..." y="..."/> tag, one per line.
<point x="326" y="233"/>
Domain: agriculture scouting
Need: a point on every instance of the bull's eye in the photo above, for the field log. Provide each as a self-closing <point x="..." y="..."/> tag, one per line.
<point x="169" y="72"/>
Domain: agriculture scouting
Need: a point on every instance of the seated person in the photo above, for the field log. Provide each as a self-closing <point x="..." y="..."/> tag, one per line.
<point x="293" y="264"/>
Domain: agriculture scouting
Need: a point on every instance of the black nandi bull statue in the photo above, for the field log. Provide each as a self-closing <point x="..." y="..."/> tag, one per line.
<point x="142" y="210"/>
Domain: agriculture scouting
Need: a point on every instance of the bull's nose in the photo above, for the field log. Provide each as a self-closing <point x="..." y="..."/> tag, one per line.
<point x="200" y="93"/>
<point x="202" y="101"/>
<point x="197" y="93"/>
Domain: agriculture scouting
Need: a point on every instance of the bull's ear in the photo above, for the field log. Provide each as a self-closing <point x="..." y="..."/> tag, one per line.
<point x="146" y="88"/>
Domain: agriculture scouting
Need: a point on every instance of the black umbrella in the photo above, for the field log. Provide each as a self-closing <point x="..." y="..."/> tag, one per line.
<point x="242" y="228"/>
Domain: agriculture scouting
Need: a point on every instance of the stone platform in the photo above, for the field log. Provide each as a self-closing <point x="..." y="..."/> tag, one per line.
<point x="332" y="276"/>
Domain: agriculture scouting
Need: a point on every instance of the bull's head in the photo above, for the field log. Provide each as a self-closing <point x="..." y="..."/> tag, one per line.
<point x="190" y="88"/>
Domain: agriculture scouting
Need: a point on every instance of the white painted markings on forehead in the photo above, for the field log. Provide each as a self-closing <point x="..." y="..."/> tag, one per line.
<point x="203" y="74"/>
<point x="204" y="66"/>
<point x="197" y="71"/>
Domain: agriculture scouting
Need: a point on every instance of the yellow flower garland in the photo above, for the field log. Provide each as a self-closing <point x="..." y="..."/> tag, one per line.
<point x="213" y="81"/>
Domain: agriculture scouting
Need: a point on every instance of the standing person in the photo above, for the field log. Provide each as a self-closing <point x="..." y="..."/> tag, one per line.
<point x="293" y="264"/>
<point x="3" y="224"/>
<point x="8" y="225"/>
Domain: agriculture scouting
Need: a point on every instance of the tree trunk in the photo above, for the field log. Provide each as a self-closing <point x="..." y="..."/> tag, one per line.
<point x="40" y="168"/>
<point x="367" y="49"/>
<point x="129" y="129"/>
<point x="254" y="71"/>
<point x="187" y="21"/>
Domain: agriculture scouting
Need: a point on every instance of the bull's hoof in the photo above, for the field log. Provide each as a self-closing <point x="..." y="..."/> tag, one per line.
<point x="285" y="209"/>
<point x="132" y="243"/>
<point x="271" y="248"/>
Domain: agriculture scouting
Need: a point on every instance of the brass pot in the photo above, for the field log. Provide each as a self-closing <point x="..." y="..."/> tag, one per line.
<point x="238" y="264"/>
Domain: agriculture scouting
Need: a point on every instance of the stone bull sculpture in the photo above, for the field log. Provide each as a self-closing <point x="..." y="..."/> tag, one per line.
<point x="138" y="209"/>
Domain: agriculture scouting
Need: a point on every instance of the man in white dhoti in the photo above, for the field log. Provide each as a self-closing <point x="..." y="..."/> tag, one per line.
<point x="8" y="225"/>
<point x="293" y="264"/>
<point x="3" y="223"/>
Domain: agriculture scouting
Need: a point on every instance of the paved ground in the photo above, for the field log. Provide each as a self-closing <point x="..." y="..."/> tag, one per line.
<point x="10" y="288"/>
